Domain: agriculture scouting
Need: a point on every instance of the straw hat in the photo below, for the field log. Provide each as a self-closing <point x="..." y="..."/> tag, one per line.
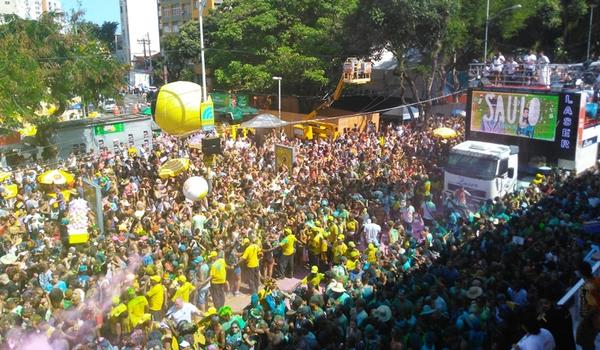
<point x="474" y="292"/>
<point x="383" y="313"/>
<point x="337" y="287"/>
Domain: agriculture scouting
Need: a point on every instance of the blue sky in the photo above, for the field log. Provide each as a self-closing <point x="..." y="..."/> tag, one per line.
<point x="96" y="11"/>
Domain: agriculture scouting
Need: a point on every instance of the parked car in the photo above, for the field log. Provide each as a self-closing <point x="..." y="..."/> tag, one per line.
<point x="108" y="105"/>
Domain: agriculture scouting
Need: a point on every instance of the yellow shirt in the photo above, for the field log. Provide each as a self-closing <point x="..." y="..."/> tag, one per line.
<point x="351" y="251"/>
<point x="156" y="297"/>
<point x="371" y="255"/>
<point x="352" y="225"/>
<point x="184" y="292"/>
<point x="334" y="230"/>
<point x="117" y="311"/>
<point x="350" y="265"/>
<point x="136" y="308"/>
<point x="251" y="255"/>
<point x="287" y="244"/>
<point x="315" y="243"/>
<point x="218" y="272"/>
<point x="338" y="251"/>
<point x="315" y="280"/>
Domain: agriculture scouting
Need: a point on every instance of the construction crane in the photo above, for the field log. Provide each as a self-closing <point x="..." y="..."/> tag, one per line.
<point x="355" y="72"/>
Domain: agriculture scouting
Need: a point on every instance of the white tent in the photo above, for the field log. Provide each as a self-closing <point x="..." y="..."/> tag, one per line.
<point x="264" y="121"/>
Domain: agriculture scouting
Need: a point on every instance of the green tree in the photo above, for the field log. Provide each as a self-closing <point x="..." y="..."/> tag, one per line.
<point x="21" y="90"/>
<point x="249" y="41"/>
<point x="415" y="31"/>
<point x="44" y="63"/>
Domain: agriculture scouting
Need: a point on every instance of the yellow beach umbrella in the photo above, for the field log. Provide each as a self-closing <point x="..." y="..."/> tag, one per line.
<point x="56" y="177"/>
<point x="445" y="133"/>
<point x="4" y="175"/>
<point x="173" y="167"/>
<point x="10" y="191"/>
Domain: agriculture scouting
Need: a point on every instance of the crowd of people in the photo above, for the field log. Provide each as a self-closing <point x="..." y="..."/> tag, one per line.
<point x="386" y="261"/>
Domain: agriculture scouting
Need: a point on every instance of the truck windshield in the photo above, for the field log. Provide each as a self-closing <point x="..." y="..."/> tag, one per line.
<point x="472" y="166"/>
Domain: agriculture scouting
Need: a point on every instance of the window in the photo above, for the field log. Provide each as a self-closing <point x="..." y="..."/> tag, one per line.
<point x="176" y="11"/>
<point x="166" y="12"/>
<point x="503" y="167"/>
<point x="472" y="166"/>
<point x="167" y="29"/>
<point x="175" y="28"/>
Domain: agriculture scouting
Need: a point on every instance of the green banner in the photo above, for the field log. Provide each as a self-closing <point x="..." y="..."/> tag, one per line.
<point x="109" y="128"/>
<point x="208" y="114"/>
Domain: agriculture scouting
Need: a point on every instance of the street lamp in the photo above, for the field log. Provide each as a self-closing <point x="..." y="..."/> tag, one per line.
<point x="278" y="93"/>
<point x="487" y="24"/>
<point x="202" y="4"/>
<point x="590" y="30"/>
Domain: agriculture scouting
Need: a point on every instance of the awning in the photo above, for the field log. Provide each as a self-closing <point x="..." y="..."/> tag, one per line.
<point x="264" y="121"/>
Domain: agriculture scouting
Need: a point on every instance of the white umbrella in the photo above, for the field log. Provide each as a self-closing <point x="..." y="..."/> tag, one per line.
<point x="264" y="121"/>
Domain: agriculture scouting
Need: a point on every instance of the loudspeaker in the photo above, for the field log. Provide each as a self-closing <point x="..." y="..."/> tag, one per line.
<point x="211" y="145"/>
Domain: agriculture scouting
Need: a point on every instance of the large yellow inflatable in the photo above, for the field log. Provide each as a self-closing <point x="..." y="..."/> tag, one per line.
<point x="177" y="109"/>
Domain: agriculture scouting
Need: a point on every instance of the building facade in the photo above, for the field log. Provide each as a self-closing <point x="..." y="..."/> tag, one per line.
<point x="29" y="9"/>
<point x="84" y="135"/>
<point x="139" y="25"/>
<point x="175" y="13"/>
<point x="140" y="36"/>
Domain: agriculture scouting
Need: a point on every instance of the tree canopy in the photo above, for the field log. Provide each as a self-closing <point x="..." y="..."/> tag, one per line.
<point x="305" y="41"/>
<point x="250" y="41"/>
<point x="43" y="63"/>
<point x="104" y="32"/>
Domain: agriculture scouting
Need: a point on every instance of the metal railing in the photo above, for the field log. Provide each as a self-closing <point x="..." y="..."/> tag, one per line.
<point x="572" y="298"/>
<point x="546" y="75"/>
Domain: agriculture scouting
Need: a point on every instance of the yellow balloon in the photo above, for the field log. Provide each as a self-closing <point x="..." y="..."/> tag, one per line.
<point x="178" y="107"/>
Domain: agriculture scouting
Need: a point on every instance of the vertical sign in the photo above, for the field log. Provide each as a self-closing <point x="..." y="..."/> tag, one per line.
<point x="207" y="113"/>
<point x="284" y="155"/>
<point x="568" y="124"/>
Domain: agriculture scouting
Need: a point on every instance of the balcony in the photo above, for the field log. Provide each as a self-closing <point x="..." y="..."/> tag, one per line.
<point x="538" y="77"/>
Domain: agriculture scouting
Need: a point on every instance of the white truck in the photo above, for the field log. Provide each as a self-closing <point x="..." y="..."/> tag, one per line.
<point x="485" y="170"/>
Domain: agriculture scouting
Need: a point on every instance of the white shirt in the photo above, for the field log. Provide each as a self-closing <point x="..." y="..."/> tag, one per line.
<point x="183" y="314"/>
<point x="511" y="67"/>
<point x="541" y="341"/>
<point x="498" y="63"/>
<point x="372" y="232"/>
<point x="408" y="214"/>
<point x="530" y="61"/>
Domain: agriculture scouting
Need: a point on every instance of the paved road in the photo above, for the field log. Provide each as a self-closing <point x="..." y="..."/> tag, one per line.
<point x="238" y="303"/>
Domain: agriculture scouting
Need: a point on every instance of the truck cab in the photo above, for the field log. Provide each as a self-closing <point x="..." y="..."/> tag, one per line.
<point x="485" y="170"/>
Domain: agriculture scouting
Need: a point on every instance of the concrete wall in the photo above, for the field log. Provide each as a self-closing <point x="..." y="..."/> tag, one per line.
<point x="76" y="133"/>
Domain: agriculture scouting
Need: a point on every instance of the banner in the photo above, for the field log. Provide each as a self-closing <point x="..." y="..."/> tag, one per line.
<point x="109" y="129"/>
<point x="284" y="155"/>
<point x="207" y="111"/>
<point x="78" y="221"/>
<point x="515" y="114"/>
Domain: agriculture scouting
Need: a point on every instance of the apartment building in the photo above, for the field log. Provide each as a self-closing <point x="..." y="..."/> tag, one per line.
<point x="29" y="9"/>
<point x="175" y="13"/>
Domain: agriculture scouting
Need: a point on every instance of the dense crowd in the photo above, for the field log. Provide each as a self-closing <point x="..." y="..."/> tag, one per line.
<point x="387" y="261"/>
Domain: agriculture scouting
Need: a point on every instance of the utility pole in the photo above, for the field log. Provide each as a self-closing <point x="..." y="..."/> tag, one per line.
<point x="589" y="41"/>
<point x="201" y="5"/>
<point x="146" y="41"/>
<point x="150" y="52"/>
